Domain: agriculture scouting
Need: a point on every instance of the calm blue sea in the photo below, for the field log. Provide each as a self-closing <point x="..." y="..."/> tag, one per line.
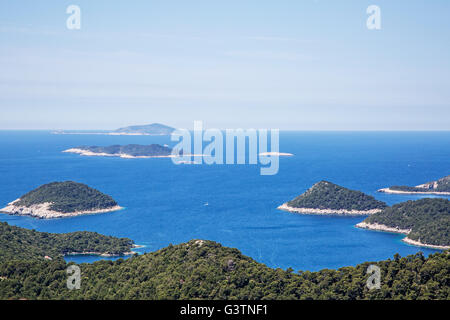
<point x="165" y="203"/>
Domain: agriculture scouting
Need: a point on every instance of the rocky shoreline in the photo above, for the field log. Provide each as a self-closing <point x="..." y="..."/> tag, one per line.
<point x="420" y="244"/>
<point x="88" y="253"/>
<point x="99" y="254"/>
<point x="384" y="228"/>
<point x="286" y="207"/>
<point x="43" y="211"/>
<point x="387" y="190"/>
<point x="88" y="153"/>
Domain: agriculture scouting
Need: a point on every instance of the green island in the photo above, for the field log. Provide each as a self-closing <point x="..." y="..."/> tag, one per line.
<point x="22" y="244"/>
<point x="206" y="270"/>
<point x="440" y="186"/>
<point x="328" y="198"/>
<point x="426" y="222"/>
<point x="149" y="129"/>
<point x="61" y="199"/>
<point x="124" y="151"/>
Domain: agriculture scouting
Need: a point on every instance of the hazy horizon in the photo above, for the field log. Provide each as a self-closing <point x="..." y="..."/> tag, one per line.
<point x="308" y="65"/>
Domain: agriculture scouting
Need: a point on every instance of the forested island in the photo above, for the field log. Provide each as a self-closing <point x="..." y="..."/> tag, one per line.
<point x="22" y="244"/>
<point x="328" y="198"/>
<point x="61" y="199"/>
<point x="125" y="151"/>
<point x="426" y="222"/>
<point x="206" y="270"/>
<point x="439" y="187"/>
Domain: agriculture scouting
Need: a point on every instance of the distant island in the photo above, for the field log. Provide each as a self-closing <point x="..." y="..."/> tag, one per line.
<point x="154" y="129"/>
<point x="19" y="243"/>
<point x="149" y="129"/>
<point x="328" y="198"/>
<point x="126" y="151"/>
<point x="426" y="222"/>
<point x="439" y="187"/>
<point x="61" y="199"/>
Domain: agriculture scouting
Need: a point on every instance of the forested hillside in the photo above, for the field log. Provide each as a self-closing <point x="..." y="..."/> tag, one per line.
<point x="206" y="270"/>
<point x="428" y="219"/>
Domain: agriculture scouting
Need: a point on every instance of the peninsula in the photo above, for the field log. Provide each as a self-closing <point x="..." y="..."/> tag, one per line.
<point x="426" y="222"/>
<point x="438" y="187"/>
<point x="60" y="200"/>
<point x="127" y="151"/>
<point x="328" y="198"/>
<point x="19" y="243"/>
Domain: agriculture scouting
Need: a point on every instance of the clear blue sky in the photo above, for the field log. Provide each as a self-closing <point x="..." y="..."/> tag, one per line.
<point x="302" y="65"/>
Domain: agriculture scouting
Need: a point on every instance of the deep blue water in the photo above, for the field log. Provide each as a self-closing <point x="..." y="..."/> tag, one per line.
<point x="165" y="203"/>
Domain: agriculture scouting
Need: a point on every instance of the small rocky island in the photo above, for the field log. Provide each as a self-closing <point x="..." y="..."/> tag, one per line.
<point x="426" y="222"/>
<point x="439" y="187"/>
<point x="129" y="151"/>
<point x="61" y="199"/>
<point x="328" y="198"/>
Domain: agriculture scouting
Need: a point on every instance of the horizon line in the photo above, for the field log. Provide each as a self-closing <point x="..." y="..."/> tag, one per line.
<point x="281" y="130"/>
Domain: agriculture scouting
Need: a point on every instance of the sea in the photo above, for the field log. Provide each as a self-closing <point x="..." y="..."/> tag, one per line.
<point x="234" y="205"/>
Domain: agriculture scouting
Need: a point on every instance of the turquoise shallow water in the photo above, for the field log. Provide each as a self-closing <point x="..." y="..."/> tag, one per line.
<point x="165" y="203"/>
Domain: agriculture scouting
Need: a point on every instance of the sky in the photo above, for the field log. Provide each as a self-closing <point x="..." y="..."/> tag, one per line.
<point x="289" y="65"/>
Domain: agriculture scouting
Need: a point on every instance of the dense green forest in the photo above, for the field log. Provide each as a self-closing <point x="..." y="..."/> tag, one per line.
<point x="68" y="197"/>
<point x="327" y="195"/>
<point x="206" y="270"/>
<point x="441" y="185"/>
<point x="24" y="244"/>
<point x="428" y="219"/>
<point x="135" y="150"/>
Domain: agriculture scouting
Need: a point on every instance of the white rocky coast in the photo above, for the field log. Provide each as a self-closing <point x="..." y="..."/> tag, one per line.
<point x="286" y="207"/>
<point x="86" y="253"/>
<point x="420" y="244"/>
<point x="43" y="211"/>
<point x="382" y="227"/>
<point x="88" y="153"/>
<point x="93" y="253"/>
<point x="387" y="190"/>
